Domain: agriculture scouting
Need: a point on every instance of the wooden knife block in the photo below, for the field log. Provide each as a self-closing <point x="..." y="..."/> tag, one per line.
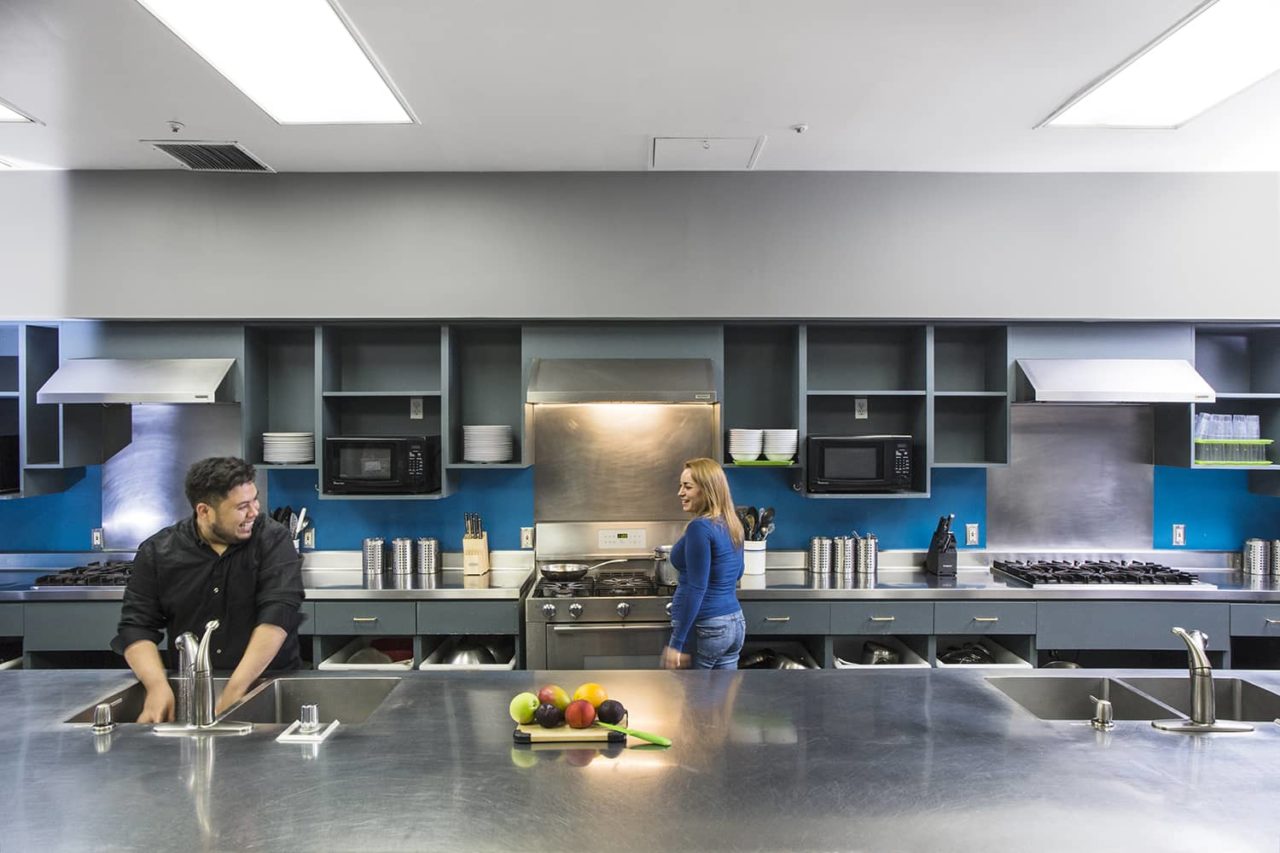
<point x="475" y="554"/>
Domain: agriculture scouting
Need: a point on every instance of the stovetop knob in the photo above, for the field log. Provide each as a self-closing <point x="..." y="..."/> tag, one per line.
<point x="548" y="610"/>
<point x="575" y="610"/>
<point x="623" y="608"/>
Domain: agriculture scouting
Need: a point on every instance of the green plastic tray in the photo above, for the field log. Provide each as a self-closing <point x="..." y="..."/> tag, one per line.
<point x="765" y="462"/>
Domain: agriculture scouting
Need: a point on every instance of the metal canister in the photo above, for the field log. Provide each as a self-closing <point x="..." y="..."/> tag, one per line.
<point x="866" y="556"/>
<point x="842" y="550"/>
<point x="428" y="550"/>
<point x="374" y="556"/>
<point x="402" y="555"/>
<point x="1275" y="557"/>
<point x="819" y="556"/>
<point x="1255" y="558"/>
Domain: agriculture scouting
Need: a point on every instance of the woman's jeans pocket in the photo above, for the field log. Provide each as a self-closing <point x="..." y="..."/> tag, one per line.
<point x="719" y="641"/>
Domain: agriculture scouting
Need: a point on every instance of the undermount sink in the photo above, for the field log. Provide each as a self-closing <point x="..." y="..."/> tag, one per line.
<point x="350" y="700"/>
<point x="1057" y="697"/>
<point x="1234" y="698"/>
<point x="127" y="704"/>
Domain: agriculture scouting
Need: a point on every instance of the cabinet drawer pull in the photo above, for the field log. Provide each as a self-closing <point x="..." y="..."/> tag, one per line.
<point x="883" y="618"/>
<point x="986" y="619"/>
<point x="1273" y="621"/>
<point x="777" y="618"/>
<point x="364" y="618"/>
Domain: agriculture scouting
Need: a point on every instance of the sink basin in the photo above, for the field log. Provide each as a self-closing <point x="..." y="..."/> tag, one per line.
<point x="350" y="700"/>
<point x="1067" y="698"/>
<point x="1234" y="699"/>
<point x="127" y="704"/>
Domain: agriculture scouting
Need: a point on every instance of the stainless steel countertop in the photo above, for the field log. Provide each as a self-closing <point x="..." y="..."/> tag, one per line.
<point x="832" y="760"/>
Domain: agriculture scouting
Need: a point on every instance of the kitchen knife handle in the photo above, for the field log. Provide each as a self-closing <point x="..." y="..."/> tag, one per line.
<point x="364" y="619"/>
<point x="777" y="618"/>
<point x="883" y="618"/>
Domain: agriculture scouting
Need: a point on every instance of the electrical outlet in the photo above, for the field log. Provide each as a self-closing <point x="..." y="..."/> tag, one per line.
<point x="526" y="537"/>
<point x="415" y="408"/>
<point x="971" y="534"/>
<point x="860" y="408"/>
<point x="309" y="538"/>
<point x="96" y="538"/>
<point x="1179" y="534"/>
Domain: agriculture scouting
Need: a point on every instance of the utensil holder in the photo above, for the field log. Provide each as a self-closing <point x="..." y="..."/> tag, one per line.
<point x="475" y="554"/>
<point x="866" y="557"/>
<point x="428" y="552"/>
<point x="1275" y="558"/>
<point x="402" y="556"/>
<point x="753" y="558"/>
<point x="819" y="556"/>
<point x="1256" y="557"/>
<point x="842" y="549"/>
<point x="374" y="556"/>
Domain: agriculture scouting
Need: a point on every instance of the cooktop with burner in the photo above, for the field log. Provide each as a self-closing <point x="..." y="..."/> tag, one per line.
<point x="601" y="586"/>
<point x="94" y="574"/>
<point x="1057" y="573"/>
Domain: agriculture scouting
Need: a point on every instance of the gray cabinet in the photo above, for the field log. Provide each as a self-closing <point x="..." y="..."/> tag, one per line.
<point x="279" y="386"/>
<point x="484" y="387"/>
<point x="786" y="617"/>
<point x="307" y="614"/>
<point x="72" y="626"/>
<point x="970" y="396"/>
<point x="365" y="617"/>
<point x="468" y="617"/>
<point x="982" y="617"/>
<point x="1129" y="624"/>
<point x="882" y="617"/>
<point x="10" y="619"/>
<point x="1255" y="620"/>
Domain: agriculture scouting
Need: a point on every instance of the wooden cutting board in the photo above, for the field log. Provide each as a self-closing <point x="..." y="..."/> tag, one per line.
<point x="535" y="733"/>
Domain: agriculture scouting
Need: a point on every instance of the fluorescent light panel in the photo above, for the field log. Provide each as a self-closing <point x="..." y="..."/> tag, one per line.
<point x="294" y="58"/>
<point x="1222" y="48"/>
<point x="9" y="114"/>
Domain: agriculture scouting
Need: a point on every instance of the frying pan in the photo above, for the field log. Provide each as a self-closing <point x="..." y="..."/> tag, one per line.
<point x="571" y="571"/>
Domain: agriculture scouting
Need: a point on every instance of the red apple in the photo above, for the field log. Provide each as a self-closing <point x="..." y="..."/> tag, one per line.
<point x="579" y="714"/>
<point x="554" y="694"/>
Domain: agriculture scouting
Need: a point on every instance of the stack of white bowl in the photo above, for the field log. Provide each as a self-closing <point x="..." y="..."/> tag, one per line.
<point x="288" y="448"/>
<point x="780" y="444"/>
<point x="487" y="443"/>
<point x="746" y="445"/>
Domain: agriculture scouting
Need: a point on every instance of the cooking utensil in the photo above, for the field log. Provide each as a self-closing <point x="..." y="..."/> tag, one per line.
<point x="571" y="571"/>
<point x="765" y="520"/>
<point x="650" y="737"/>
<point x="471" y="656"/>
<point x="301" y="523"/>
<point x="750" y="519"/>
<point x="663" y="570"/>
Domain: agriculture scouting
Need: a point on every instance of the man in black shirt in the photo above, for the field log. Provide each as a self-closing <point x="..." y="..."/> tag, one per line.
<point x="226" y="562"/>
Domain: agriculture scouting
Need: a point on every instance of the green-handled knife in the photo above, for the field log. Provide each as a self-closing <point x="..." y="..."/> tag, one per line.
<point x="651" y="738"/>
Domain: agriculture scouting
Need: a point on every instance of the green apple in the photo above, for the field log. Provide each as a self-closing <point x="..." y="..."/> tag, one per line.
<point x="522" y="708"/>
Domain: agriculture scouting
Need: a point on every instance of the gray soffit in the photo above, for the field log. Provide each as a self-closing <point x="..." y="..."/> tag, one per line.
<point x="141" y="380"/>
<point x="1110" y="380"/>
<point x="621" y="380"/>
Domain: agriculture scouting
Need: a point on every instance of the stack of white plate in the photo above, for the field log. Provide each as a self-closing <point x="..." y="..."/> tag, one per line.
<point x="745" y="444"/>
<point x="288" y="448"/>
<point x="780" y="444"/>
<point x="486" y="443"/>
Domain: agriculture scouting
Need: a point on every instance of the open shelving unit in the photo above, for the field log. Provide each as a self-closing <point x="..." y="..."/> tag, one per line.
<point x="761" y="381"/>
<point x="485" y="388"/>
<point x="970" y="396"/>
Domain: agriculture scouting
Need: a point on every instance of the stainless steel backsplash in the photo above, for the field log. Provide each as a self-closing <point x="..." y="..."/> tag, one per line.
<point x="142" y="484"/>
<point x="616" y="461"/>
<point x="1078" y="477"/>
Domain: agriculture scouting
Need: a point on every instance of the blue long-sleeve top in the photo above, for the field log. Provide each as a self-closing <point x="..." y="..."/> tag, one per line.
<point x="709" y="566"/>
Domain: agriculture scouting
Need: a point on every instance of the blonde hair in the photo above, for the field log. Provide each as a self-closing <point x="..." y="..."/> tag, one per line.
<point x="717" y="503"/>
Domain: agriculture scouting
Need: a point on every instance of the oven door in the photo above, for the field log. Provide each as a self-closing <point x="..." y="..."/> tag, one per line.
<point x="631" y="645"/>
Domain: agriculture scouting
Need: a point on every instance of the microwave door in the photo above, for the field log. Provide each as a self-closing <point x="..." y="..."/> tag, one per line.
<point x="366" y="464"/>
<point x="853" y="464"/>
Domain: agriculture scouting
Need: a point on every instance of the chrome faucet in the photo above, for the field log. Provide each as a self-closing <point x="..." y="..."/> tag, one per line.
<point x="202" y="692"/>
<point x="187" y="649"/>
<point x="1203" y="702"/>
<point x="194" y="712"/>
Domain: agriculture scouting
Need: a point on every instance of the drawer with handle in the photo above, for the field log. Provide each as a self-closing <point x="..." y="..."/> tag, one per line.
<point x="974" y="617"/>
<point x="365" y="617"/>
<point x="1255" y="620"/>
<point x="882" y="617"/>
<point x="786" y="617"/>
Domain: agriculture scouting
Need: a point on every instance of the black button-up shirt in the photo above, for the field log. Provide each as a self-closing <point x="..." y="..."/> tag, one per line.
<point x="179" y="583"/>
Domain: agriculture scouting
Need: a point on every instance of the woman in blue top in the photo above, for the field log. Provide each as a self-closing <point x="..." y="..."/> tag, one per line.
<point x="705" y="611"/>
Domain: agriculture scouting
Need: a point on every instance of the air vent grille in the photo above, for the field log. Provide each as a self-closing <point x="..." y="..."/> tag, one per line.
<point x="211" y="156"/>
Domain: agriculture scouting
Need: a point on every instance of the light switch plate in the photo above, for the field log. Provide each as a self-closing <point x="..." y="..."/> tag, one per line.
<point x="971" y="534"/>
<point x="1179" y="534"/>
<point x="415" y="408"/>
<point x="96" y="538"/>
<point x="309" y="538"/>
<point x="860" y="408"/>
<point x="526" y="537"/>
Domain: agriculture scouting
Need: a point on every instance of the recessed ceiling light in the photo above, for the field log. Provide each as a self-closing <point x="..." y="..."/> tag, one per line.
<point x="8" y="113"/>
<point x="300" y="60"/>
<point x="1221" y="48"/>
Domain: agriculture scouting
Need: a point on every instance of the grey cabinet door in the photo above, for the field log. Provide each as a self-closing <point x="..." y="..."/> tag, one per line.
<point x="468" y="617"/>
<point x="365" y="617"/>
<point x="882" y="617"/>
<point x="978" y="617"/>
<point x="786" y="617"/>
<point x="11" y="619"/>
<point x="1255" y="620"/>
<point x="69" y="626"/>
<point x="308" y="613"/>
<point x="1128" y="624"/>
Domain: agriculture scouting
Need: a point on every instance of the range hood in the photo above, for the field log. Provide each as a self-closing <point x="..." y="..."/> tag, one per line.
<point x="137" y="380"/>
<point x="621" y="380"/>
<point x="1110" y="380"/>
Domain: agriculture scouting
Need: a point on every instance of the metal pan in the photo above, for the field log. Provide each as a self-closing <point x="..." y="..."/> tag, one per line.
<point x="571" y="571"/>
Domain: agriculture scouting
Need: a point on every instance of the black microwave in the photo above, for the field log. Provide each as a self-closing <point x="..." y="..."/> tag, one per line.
<point x="382" y="464"/>
<point x="858" y="463"/>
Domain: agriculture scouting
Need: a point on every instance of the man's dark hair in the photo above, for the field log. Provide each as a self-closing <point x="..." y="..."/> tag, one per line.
<point x="209" y="480"/>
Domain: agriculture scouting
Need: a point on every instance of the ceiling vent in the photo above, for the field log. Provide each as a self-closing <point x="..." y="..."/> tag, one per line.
<point x="705" y="153"/>
<point x="211" y="156"/>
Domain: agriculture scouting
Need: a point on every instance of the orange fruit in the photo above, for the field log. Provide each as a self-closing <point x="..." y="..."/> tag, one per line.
<point x="592" y="692"/>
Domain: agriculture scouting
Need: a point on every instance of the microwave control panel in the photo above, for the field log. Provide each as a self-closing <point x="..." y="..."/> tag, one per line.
<point x="417" y="463"/>
<point x="902" y="462"/>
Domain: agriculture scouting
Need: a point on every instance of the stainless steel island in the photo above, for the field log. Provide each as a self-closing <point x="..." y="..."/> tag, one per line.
<point x="922" y="760"/>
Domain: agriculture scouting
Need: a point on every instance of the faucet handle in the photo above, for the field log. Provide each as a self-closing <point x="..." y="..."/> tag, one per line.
<point x="1103" y="716"/>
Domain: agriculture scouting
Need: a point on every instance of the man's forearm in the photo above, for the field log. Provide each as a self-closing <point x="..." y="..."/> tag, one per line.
<point x="264" y="644"/>
<point x="143" y="657"/>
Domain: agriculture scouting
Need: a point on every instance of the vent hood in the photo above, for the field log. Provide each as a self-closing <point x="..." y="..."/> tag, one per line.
<point x="136" y="380"/>
<point x="621" y="380"/>
<point x="1110" y="380"/>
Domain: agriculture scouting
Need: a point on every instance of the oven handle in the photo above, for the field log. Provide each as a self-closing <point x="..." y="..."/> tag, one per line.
<point x="607" y="626"/>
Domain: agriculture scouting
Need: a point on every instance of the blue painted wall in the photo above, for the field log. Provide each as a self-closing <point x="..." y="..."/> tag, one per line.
<point x="1217" y="507"/>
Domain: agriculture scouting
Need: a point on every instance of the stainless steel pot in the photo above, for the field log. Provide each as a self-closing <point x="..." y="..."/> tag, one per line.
<point x="663" y="571"/>
<point x="571" y="571"/>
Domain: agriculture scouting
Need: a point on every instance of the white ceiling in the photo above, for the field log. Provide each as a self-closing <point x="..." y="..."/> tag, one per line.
<point x="584" y="85"/>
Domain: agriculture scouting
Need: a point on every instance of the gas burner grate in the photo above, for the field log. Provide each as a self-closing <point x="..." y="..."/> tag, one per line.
<point x="1052" y="572"/>
<point x="94" y="574"/>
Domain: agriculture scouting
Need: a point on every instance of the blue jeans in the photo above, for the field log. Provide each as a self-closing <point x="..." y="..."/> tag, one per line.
<point x="718" y="641"/>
